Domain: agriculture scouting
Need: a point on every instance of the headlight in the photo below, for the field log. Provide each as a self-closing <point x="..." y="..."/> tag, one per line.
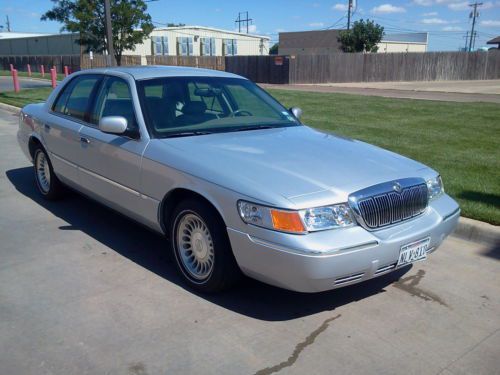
<point x="303" y="221"/>
<point x="435" y="187"/>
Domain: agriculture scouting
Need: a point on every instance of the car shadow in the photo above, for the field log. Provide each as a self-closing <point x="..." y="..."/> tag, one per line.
<point x="150" y="250"/>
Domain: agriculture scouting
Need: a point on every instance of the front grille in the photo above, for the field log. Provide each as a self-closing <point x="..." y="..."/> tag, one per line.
<point x="390" y="207"/>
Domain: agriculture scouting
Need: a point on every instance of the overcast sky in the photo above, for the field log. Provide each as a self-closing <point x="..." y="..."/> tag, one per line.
<point x="446" y="20"/>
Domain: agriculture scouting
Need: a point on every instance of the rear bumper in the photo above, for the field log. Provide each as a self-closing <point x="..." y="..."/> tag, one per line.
<point x="346" y="256"/>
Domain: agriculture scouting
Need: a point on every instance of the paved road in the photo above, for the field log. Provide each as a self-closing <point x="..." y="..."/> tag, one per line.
<point x="26" y="83"/>
<point x="464" y="91"/>
<point x="86" y="291"/>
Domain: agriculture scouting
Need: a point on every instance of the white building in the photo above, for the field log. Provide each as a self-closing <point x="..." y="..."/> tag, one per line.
<point x="407" y="42"/>
<point x="200" y="41"/>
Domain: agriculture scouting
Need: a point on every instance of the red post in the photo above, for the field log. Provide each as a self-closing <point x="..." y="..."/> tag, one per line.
<point x="66" y="71"/>
<point x="54" y="67"/>
<point x="29" y="70"/>
<point x="53" y="77"/>
<point x="42" y="70"/>
<point x="11" y="67"/>
<point x="15" y="78"/>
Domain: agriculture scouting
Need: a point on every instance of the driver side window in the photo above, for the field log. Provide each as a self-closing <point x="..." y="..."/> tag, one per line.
<point x="115" y="99"/>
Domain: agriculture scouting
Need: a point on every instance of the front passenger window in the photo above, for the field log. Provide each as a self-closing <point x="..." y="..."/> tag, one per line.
<point x="115" y="99"/>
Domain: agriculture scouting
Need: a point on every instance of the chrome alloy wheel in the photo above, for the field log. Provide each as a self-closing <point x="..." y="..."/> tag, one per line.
<point x="42" y="172"/>
<point x="195" y="246"/>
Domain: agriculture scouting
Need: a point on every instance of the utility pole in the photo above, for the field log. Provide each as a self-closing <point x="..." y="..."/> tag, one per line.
<point x="466" y="40"/>
<point x="473" y="15"/>
<point x="239" y="21"/>
<point x="349" y="9"/>
<point x="109" y="34"/>
<point x="7" y="23"/>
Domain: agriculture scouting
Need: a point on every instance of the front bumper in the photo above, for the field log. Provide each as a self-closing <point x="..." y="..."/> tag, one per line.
<point x="331" y="259"/>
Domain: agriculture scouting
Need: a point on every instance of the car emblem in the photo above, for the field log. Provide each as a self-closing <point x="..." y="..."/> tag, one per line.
<point x="397" y="187"/>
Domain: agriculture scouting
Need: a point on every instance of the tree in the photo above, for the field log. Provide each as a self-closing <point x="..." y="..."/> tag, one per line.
<point x="362" y="37"/>
<point x="130" y="23"/>
<point x="274" y="49"/>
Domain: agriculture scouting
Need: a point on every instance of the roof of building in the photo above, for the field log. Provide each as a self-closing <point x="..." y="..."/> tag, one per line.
<point x="15" y="35"/>
<point x="160" y="71"/>
<point x="194" y="27"/>
<point x="494" y="40"/>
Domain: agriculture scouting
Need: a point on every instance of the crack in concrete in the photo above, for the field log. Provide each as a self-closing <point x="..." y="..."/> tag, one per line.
<point x="298" y="349"/>
<point x="410" y="285"/>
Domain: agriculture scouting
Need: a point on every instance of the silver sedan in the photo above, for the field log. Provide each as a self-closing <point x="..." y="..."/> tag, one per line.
<point x="234" y="180"/>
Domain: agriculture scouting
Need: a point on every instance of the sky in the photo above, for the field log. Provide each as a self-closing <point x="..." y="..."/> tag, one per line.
<point x="447" y="21"/>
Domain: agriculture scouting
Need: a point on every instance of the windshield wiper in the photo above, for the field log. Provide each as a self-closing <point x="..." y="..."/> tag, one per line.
<point x="187" y="134"/>
<point x="255" y="127"/>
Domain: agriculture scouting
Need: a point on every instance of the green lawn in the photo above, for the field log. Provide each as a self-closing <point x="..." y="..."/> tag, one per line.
<point x="60" y="76"/>
<point x="460" y="140"/>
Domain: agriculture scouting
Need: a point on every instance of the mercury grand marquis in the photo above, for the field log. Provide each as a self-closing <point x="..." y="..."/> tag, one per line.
<point x="233" y="179"/>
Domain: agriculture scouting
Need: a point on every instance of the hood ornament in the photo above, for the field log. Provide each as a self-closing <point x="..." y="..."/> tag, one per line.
<point x="397" y="187"/>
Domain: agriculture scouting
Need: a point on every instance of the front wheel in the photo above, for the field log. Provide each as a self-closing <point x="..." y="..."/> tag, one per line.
<point x="201" y="247"/>
<point x="46" y="181"/>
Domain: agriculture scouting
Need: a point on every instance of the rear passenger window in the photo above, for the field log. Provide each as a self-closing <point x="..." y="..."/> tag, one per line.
<point x="75" y="99"/>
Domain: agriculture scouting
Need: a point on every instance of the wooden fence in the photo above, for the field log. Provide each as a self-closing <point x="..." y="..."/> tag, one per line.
<point x="100" y="61"/>
<point x="21" y="62"/>
<point x="364" y="67"/>
<point x="261" y="69"/>
<point x="208" y="62"/>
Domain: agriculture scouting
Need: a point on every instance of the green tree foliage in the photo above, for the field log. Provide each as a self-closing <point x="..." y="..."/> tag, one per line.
<point x="274" y="49"/>
<point x="131" y="23"/>
<point x="362" y="37"/>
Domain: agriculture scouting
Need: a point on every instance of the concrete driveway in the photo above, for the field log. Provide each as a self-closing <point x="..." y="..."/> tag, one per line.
<point x="6" y="83"/>
<point x="85" y="291"/>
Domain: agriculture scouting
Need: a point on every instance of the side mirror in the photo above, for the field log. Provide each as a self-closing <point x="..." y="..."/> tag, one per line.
<point x="113" y="124"/>
<point x="297" y="112"/>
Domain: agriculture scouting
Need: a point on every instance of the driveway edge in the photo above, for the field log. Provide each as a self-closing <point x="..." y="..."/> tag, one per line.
<point x="10" y="108"/>
<point x="477" y="231"/>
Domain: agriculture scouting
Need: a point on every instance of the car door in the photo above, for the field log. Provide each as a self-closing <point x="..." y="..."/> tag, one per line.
<point x="61" y="127"/>
<point x="110" y="166"/>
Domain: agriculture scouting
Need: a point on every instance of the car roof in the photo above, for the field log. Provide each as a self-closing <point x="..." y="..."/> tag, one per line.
<point x="159" y="71"/>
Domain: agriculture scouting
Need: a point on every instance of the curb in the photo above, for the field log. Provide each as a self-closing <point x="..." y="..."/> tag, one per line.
<point x="477" y="231"/>
<point x="10" y="108"/>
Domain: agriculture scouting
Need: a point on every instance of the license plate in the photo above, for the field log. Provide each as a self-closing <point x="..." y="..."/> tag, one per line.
<point x="413" y="252"/>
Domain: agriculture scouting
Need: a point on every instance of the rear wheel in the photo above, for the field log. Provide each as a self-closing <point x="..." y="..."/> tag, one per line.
<point x="46" y="181"/>
<point x="201" y="247"/>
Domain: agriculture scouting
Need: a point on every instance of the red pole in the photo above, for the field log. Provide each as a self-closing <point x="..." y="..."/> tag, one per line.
<point x="15" y="78"/>
<point x="54" y="67"/>
<point x="53" y="76"/>
<point x="11" y="67"/>
<point x="29" y="70"/>
<point x="42" y="70"/>
<point x="66" y="72"/>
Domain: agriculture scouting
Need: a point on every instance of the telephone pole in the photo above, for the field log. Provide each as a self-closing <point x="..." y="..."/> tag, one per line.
<point x="349" y="9"/>
<point x="7" y="23"/>
<point x="473" y="15"/>
<point x="109" y="34"/>
<point x="240" y="20"/>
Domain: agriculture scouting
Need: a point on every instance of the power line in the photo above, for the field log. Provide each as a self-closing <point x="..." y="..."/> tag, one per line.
<point x="239" y="20"/>
<point x="473" y="15"/>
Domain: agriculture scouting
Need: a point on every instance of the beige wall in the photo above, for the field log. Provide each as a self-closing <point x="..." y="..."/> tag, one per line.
<point x="246" y="44"/>
<point x="385" y="47"/>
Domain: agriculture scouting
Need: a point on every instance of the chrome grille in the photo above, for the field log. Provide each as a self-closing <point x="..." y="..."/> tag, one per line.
<point x="386" y="206"/>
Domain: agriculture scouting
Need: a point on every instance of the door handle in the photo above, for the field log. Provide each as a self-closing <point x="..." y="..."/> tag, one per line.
<point x="84" y="140"/>
<point x="46" y="127"/>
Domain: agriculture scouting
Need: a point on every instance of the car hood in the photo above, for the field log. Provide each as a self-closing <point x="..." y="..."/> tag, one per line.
<point x="294" y="162"/>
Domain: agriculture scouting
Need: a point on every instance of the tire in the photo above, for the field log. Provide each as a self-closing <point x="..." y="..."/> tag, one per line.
<point x="47" y="182"/>
<point x="201" y="247"/>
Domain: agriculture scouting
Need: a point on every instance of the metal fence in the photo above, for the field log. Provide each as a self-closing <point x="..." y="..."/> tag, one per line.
<point x="371" y="67"/>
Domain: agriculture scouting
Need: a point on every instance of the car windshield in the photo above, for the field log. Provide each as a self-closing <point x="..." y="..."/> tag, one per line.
<point x="184" y="106"/>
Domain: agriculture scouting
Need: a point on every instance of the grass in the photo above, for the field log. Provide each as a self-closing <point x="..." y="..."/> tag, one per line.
<point x="459" y="140"/>
<point x="60" y="76"/>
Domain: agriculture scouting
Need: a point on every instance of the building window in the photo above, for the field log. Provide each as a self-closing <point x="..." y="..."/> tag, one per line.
<point x="159" y="45"/>
<point x="207" y="47"/>
<point x="230" y="47"/>
<point x="185" y="46"/>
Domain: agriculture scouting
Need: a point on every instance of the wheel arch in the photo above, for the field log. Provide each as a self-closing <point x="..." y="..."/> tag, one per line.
<point x="176" y="195"/>
<point x="34" y="141"/>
